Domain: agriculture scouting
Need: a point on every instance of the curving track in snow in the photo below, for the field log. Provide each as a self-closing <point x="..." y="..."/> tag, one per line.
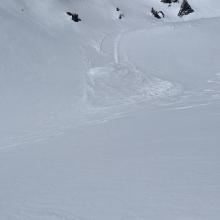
<point x="120" y="86"/>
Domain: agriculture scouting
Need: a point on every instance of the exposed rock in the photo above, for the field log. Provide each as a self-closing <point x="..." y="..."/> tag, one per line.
<point x="185" y="9"/>
<point x="75" y="17"/>
<point x="169" y="1"/>
<point x="121" y="16"/>
<point x="157" y="14"/>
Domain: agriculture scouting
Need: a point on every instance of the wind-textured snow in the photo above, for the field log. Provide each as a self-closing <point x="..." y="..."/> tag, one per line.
<point x="108" y="118"/>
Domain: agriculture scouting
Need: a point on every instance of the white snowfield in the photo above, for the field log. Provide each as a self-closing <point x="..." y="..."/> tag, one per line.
<point x="107" y="118"/>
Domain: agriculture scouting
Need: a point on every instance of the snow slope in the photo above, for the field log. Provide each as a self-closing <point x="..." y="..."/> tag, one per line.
<point x="108" y="118"/>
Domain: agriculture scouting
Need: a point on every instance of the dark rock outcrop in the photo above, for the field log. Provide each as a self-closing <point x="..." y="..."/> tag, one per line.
<point x="75" y="17"/>
<point x="185" y="9"/>
<point x="157" y="14"/>
<point x="121" y="16"/>
<point x="169" y="1"/>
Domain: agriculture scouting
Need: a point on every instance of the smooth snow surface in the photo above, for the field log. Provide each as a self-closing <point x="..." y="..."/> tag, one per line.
<point x="109" y="119"/>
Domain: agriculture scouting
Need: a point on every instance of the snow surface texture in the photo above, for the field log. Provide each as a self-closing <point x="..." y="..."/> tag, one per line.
<point x="109" y="118"/>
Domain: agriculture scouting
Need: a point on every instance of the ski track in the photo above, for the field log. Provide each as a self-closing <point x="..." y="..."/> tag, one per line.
<point x="207" y="95"/>
<point x="28" y="138"/>
<point x="38" y="212"/>
<point x="116" y="47"/>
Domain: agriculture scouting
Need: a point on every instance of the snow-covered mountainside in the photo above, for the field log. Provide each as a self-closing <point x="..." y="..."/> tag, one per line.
<point x="116" y="116"/>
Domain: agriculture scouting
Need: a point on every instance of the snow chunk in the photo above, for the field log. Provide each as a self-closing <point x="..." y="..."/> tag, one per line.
<point x="122" y="84"/>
